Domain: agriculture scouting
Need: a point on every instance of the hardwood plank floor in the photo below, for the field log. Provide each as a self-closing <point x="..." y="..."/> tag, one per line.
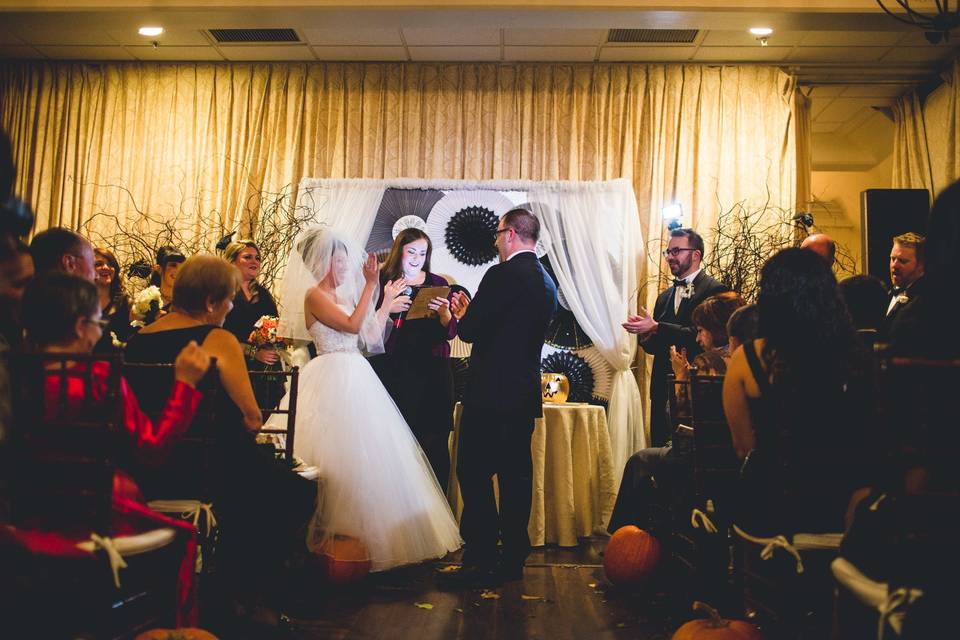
<point x="563" y="596"/>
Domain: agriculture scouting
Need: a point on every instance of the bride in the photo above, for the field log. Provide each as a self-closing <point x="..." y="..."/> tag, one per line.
<point x="375" y="482"/>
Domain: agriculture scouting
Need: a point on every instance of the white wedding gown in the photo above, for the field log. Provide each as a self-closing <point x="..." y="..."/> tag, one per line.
<point x="375" y="482"/>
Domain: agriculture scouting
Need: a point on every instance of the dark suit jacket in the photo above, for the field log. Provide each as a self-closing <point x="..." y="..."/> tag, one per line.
<point x="914" y="292"/>
<point x="506" y="322"/>
<point x="675" y="329"/>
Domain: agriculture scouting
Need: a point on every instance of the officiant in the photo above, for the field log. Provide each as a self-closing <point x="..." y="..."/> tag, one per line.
<point x="415" y="367"/>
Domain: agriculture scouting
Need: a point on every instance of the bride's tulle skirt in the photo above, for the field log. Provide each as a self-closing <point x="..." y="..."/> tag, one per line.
<point x="375" y="482"/>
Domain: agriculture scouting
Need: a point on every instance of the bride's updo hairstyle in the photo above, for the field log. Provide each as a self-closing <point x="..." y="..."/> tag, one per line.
<point x="203" y="278"/>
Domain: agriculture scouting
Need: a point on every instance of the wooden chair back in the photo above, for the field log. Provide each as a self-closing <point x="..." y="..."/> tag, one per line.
<point x="716" y="466"/>
<point x="290" y="412"/>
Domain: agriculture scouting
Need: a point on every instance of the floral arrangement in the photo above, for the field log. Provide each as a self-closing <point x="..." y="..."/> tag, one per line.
<point x="264" y="333"/>
<point x="146" y="306"/>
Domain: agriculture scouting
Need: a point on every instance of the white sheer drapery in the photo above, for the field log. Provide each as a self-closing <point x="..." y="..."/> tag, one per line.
<point x="596" y="250"/>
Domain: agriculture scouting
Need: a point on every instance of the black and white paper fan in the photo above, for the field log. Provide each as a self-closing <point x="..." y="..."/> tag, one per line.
<point x="602" y="373"/>
<point x="462" y="227"/>
<point x="564" y="331"/>
<point x="396" y="205"/>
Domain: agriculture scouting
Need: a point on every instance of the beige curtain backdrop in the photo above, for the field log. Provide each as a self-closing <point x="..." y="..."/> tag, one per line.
<point x="911" y="155"/>
<point x="200" y="139"/>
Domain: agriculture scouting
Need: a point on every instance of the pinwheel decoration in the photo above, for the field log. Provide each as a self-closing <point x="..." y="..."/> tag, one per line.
<point x="577" y="371"/>
<point x="396" y="205"/>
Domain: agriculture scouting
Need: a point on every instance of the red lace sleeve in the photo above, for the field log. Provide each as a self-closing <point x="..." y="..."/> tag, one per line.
<point x="153" y="441"/>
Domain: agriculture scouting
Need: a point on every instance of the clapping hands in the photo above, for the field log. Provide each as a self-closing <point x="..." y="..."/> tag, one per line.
<point x="458" y="304"/>
<point x="641" y="324"/>
<point x="679" y="362"/>
<point x="371" y="269"/>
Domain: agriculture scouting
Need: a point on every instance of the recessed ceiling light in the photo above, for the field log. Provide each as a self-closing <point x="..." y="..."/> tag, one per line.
<point x="761" y="31"/>
<point x="150" y="31"/>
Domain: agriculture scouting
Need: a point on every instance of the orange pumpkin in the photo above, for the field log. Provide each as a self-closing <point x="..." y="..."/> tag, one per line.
<point x="186" y="633"/>
<point x="716" y="628"/>
<point x="631" y="556"/>
<point x="344" y="559"/>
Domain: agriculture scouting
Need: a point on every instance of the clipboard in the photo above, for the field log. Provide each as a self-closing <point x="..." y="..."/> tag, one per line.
<point x="419" y="309"/>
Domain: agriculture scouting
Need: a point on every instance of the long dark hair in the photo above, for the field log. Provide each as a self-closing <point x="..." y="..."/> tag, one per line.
<point x="392" y="267"/>
<point x="116" y="284"/>
<point x="809" y="336"/>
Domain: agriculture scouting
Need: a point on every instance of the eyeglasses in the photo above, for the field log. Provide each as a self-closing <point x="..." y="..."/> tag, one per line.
<point x="504" y="230"/>
<point x="675" y="251"/>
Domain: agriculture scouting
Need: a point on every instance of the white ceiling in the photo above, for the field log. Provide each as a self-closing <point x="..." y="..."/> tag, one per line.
<point x="852" y="56"/>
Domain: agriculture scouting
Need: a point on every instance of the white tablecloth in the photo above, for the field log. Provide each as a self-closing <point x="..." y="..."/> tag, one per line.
<point x="574" y="483"/>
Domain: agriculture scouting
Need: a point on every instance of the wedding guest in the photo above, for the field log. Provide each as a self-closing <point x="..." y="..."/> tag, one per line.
<point x="822" y="245"/>
<point x="114" y="303"/>
<point x="908" y="285"/>
<point x="261" y="506"/>
<point x="743" y="326"/>
<point x="60" y="249"/>
<point x="62" y="314"/>
<point x="415" y="367"/>
<point x="252" y="302"/>
<point x="799" y="401"/>
<point x="655" y="474"/>
<point x="16" y="270"/>
<point x="169" y="259"/>
<point x="866" y="300"/>
<point x="670" y="324"/>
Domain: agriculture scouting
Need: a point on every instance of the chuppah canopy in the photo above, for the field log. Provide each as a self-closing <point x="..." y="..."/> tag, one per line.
<point x="590" y="241"/>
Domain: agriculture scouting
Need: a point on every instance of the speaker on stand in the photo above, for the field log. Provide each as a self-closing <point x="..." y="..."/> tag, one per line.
<point x="885" y="213"/>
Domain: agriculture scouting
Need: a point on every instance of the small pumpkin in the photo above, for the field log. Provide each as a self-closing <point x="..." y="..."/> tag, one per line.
<point x="716" y="628"/>
<point x="186" y="633"/>
<point x="631" y="556"/>
<point x="344" y="559"/>
<point x="554" y="387"/>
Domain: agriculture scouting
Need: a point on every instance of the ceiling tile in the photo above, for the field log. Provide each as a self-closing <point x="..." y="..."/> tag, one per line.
<point x="354" y="37"/>
<point x="361" y="54"/>
<point x="164" y="52"/>
<point x="742" y="54"/>
<point x="448" y="37"/>
<point x="744" y="38"/>
<point x="550" y="54"/>
<point x="824" y="127"/>
<point x="272" y="52"/>
<point x="43" y="33"/>
<point x="646" y="54"/>
<point x="851" y="38"/>
<point x="84" y="53"/>
<point x="554" y="37"/>
<point x="8" y="37"/>
<point x="817" y="105"/>
<point x="455" y="54"/>
<point x="827" y="91"/>
<point x="19" y="52"/>
<point x="843" y="109"/>
<point x="917" y="54"/>
<point x="173" y="37"/>
<point x="875" y="90"/>
<point x="834" y="54"/>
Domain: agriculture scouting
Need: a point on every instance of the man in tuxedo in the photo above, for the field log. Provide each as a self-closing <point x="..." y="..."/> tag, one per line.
<point x="671" y="325"/>
<point x="906" y="277"/>
<point x="506" y="322"/>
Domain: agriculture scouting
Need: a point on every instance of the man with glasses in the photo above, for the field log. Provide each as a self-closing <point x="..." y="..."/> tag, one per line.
<point x="670" y="325"/>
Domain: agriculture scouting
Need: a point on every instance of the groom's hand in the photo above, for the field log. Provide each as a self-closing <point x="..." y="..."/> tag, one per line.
<point x="458" y="304"/>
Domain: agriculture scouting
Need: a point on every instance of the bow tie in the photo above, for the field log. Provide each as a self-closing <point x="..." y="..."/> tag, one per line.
<point x="679" y="282"/>
<point x="895" y="290"/>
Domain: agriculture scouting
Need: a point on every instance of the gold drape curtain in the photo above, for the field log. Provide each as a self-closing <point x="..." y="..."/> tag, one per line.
<point x="198" y="139"/>
<point x="911" y="155"/>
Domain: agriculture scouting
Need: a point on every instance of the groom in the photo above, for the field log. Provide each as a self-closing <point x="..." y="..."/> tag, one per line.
<point x="506" y="322"/>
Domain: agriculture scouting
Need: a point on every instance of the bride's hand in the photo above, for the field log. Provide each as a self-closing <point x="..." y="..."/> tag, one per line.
<point x="393" y="289"/>
<point x="371" y="269"/>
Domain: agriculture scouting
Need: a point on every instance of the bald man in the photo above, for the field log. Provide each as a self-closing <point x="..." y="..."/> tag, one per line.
<point x="822" y="245"/>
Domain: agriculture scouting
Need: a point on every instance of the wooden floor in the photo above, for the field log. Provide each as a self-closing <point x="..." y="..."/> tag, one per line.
<point x="563" y="595"/>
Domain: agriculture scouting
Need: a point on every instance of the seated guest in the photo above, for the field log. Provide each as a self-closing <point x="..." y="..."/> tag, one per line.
<point x="743" y="326"/>
<point x="798" y="402"/>
<point x="61" y="313"/>
<point x="822" y="245"/>
<point x="710" y="319"/>
<point x="60" y="249"/>
<point x="114" y="303"/>
<point x="866" y="300"/>
<point x="260" y="506"/>
<point x="652" y="475"/>
<point x="16" y="270"/>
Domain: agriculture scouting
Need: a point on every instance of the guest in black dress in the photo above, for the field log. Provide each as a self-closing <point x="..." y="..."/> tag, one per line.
<point x="261" y="507"/>
<point x="164" y="275"/>
<point x="416" y="366"/>
<point x="252" y="302"/>
<point x="114" y="303"/>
